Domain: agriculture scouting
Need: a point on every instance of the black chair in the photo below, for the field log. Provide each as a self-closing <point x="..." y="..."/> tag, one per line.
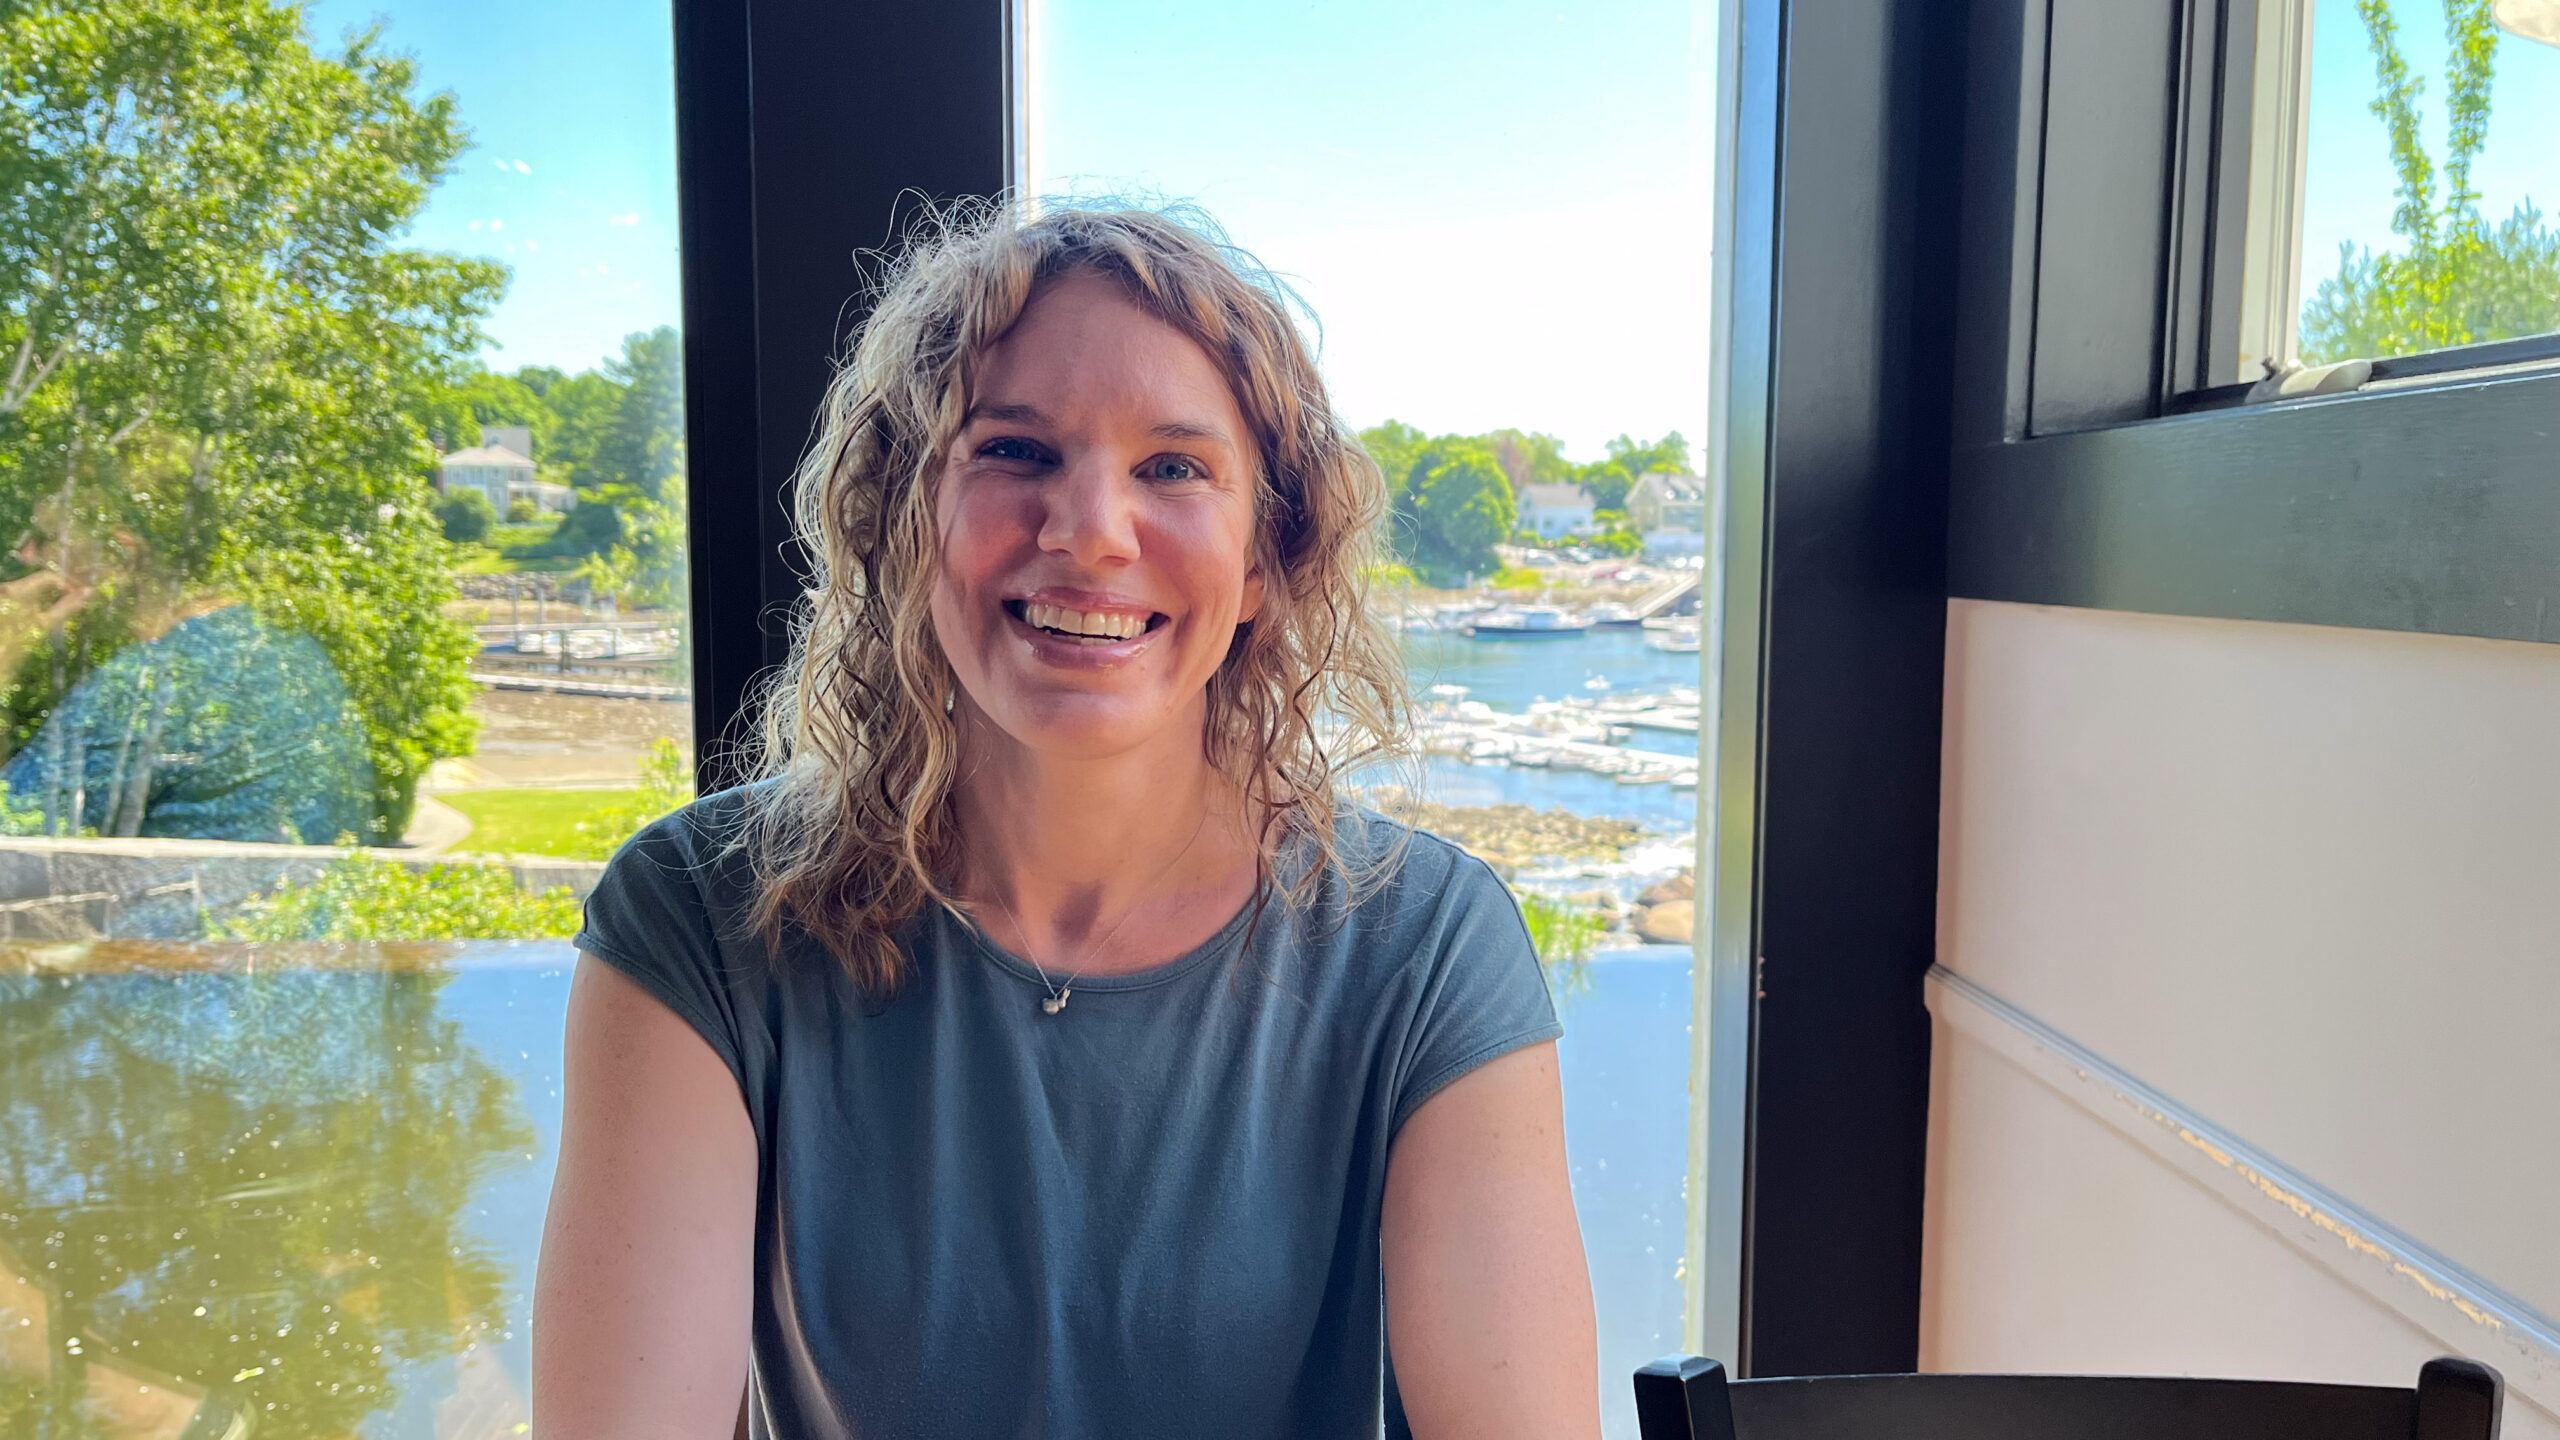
<point x="1688" y="1398"/>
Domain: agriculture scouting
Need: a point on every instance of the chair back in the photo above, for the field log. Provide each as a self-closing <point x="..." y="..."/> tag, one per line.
<point x="1689" y="1398"/>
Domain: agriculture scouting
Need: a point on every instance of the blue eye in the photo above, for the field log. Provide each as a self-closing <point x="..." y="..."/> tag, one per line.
<point x="1172" y="468"/>
<point x="1011" y="447"/>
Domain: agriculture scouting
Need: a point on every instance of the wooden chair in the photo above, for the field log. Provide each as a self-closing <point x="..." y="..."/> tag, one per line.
<point x="1688" y="1398"/>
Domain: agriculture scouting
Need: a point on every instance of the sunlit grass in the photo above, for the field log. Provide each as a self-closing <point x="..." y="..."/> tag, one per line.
<point x="571" y="824"/>
<point x="574" y="824"/>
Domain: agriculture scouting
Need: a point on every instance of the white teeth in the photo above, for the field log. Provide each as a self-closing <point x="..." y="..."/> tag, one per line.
<point x="1093" y="624"/>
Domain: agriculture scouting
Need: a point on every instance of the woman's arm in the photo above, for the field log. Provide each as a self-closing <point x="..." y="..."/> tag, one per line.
<point x="640" y="1311"/>
<point x="1488" y="1295"/>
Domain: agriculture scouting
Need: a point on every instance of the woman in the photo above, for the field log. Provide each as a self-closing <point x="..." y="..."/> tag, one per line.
<point x="1039" y="1049"/>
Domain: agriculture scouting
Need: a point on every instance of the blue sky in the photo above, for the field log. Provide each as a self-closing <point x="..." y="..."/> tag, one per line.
<point x="572" y="181"/>
<point x="1498" y="209"/>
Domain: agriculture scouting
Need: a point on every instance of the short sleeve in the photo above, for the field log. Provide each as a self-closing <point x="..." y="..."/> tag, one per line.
<point x="648" y="918"/>
<point x="1484" y="994"/>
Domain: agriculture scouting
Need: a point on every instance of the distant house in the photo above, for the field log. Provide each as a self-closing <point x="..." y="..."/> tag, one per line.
<point x="1670" y="511"/>
<point x="1552" y="511"/>
<point x="1662" y="500"/>
<point x="501" y="468"/>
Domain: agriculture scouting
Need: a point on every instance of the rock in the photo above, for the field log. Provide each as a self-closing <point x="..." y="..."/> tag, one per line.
<point x="1683" y="886"/>
<point x="1671" y="922"/>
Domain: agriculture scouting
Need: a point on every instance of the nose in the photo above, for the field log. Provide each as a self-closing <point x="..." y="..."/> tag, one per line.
<point x="1090" y="514"/>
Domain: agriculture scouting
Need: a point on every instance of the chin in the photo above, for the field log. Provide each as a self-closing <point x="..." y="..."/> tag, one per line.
<point x="1091" y="727"/>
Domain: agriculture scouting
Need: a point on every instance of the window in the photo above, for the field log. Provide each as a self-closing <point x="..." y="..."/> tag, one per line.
<point x="343" y="632"/>
<point x="1498" y="215"/>
<point x="2399" y="183"/>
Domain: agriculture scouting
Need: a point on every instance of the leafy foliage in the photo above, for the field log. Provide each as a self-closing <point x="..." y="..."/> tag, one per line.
<point x="1456" y="505"/>
<point x="1607" y="483"/>
<point x="467" y="516"/>
<point x="2457" y="282"/>
<point x="617" y="436"/>
<point x="210" y="354"/>
<point x="363" y="898"/>
<point x="1561" y="931"/>
<point x="1636" y="457"/>
<point x="1449" y="512"/>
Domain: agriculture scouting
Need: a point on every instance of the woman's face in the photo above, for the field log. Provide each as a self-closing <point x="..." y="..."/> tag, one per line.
<point x="1097" y="519"/>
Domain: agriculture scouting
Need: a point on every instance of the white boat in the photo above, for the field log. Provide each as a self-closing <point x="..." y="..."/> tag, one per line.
<point x="1526" y="622"/>
<point x="1679" y="639"/>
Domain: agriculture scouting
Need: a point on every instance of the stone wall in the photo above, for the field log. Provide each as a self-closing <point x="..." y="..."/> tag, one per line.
<point x="150" y="889"/>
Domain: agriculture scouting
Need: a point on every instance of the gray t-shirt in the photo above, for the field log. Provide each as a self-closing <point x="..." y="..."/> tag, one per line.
<point x="1154" y="1213"/>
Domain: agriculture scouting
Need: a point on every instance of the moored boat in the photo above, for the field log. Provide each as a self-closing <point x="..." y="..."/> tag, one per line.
<point x="1526" y="622"/>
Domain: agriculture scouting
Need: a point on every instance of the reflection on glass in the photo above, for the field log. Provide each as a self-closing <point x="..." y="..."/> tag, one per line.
<point x="286" y="555"/>
<point x="237" y="1192"/>
<point x="2430" y="173"/>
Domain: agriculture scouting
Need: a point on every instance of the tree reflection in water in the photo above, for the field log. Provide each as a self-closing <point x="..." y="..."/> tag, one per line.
<point x="232" y="1187"/>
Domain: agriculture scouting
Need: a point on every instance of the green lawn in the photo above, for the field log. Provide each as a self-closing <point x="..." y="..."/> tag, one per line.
<point x="571" y="824"/>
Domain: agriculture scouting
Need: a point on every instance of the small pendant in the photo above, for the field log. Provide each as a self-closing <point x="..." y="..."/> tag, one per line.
<point x="1057" y="1002"/>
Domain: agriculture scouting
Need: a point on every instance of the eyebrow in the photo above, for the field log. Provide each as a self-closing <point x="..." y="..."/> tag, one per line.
<point x="1008" y="413"/>
<point x="1020" y="414"/>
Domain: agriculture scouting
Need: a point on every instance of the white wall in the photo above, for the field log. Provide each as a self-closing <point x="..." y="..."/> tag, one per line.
<point x="2298" y="889"/>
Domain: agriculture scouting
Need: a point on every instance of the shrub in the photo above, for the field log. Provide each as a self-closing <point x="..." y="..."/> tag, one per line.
<point x="1564" y="935"/>
<point x="666" y="785"/>
<point x="363" y="898"/>
<point x="521" y="511"/>
<point x="467" y="516"/>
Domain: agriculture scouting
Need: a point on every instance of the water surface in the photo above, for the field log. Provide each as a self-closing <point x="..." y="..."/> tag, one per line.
<point x="304" y="1185"/>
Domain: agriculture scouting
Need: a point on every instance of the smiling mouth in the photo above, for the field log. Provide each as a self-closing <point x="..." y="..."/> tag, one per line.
<point x="1083" y="627"/>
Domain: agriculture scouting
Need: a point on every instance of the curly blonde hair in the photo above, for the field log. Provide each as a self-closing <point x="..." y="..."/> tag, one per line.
<point x="854" y="830"/>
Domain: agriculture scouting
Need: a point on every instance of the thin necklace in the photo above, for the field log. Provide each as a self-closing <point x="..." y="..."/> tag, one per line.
<point x="1057" y="994"/>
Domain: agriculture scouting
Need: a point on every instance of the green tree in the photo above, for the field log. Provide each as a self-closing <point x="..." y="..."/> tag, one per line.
<point x="506" y="400"/>
<point x="587" y="405"/>
<point x="1607" y="482"/>
<point x="1670" y="453"/>
<point x="644" y="446"/>
<point x="1394" y="445"/>
<point x="1456" y="505"/>
<point x="212" y="358"/>
<point x="1530" y="459"/>
<point x="2457" y="281"/>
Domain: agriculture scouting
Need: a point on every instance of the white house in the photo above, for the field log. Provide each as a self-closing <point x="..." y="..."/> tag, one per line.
<point x="501" y="468"/>
<point x="1662" y="500"/>
<point x="1670" y="511"/>
<point x="1552" y="511"/>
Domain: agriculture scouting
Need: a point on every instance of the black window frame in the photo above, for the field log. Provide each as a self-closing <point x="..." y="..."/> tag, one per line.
<point x="809" y="134"/>
<point x="2424" y="502"/>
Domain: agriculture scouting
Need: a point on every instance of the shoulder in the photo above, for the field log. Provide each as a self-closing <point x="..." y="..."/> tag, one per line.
<point x="698" y="837"/>
<point x="1397" y="877"/>
<point x="689" y="867"/>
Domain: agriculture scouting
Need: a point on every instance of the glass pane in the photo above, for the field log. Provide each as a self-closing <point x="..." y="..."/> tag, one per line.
<point x="2430" y="177"/>
<point x="1499" y="215"/>
<point x="342" y="475"/>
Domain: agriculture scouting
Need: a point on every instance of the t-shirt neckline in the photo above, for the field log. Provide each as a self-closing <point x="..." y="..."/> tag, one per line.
<point x="1162" y="973"/>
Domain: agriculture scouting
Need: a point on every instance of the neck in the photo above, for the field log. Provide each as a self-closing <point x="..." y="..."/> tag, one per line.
<point x="1098" y="865"/>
